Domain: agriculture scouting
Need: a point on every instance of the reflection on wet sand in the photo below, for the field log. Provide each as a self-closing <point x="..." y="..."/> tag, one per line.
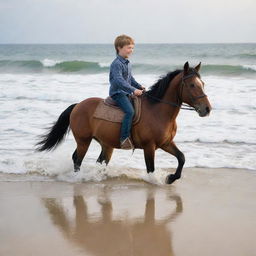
<point x="109" y="236"/>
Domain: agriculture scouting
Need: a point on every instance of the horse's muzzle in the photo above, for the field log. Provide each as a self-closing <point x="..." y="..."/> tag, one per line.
<point x="203" y="110"/>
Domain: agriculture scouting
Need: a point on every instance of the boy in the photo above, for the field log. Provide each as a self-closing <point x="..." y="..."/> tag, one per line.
<point x="122" y="84"/>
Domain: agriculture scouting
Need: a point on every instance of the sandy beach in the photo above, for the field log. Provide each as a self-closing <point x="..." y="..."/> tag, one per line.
<point x="207" y="212"/>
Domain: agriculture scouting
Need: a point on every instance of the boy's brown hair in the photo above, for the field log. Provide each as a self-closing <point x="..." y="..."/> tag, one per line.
<point x="123" y="40"/>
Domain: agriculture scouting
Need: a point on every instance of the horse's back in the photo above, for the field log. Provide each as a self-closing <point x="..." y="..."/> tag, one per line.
<point x="83" y="112"/>
<point x="86" y="106"/>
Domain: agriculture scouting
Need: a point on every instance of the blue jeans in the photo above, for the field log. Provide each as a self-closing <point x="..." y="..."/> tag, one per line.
<point x="124" y="103"/>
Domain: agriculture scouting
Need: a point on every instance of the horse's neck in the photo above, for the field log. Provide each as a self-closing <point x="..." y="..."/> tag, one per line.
<point x="171" y="96"/>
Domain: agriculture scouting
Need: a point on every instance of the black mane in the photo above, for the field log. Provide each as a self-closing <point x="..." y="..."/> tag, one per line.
<point x="159" y="88"/>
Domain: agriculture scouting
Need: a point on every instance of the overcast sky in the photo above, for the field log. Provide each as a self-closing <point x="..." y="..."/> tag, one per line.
<point x="100" y="21"/>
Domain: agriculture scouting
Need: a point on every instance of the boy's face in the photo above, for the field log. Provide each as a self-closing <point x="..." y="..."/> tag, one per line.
<point x="126" y="50"/>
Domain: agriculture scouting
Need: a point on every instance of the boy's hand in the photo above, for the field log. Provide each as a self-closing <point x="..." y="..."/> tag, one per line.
<point x="138" y="92"/>
<point x="143" y="87"/>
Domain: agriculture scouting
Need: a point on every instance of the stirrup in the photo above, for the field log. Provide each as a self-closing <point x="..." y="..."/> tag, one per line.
<point x="126" y="144"/>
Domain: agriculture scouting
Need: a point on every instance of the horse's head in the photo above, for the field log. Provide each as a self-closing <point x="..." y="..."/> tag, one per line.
<point x="192" y="90"/>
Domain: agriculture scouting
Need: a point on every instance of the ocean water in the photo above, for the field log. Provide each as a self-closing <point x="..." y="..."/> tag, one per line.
<point x="37" y="82"/>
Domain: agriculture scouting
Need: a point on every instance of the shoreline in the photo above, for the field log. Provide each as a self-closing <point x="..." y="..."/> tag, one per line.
<point x="35" y="176"/>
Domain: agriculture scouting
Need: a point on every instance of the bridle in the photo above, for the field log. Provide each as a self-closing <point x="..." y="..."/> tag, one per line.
<point x="180" y="104"/>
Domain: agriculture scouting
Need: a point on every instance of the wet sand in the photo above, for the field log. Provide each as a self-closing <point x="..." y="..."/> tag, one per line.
<point x="207" y="212"/>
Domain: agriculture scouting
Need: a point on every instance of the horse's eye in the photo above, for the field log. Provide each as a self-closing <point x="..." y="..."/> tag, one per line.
<point x="192" y="85"/>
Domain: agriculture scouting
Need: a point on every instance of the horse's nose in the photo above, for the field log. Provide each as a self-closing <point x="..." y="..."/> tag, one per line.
<point x="207" y="109"/>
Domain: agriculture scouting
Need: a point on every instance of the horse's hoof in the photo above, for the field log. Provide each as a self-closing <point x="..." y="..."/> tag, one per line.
<point x="76" y="169"/>
<point x="170" y="179"/>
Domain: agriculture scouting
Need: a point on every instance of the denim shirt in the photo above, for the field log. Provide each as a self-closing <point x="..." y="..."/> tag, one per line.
<point x="120" y="77"/>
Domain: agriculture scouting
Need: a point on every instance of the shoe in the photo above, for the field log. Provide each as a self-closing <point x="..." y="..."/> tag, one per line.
<point x="127" y="144"/>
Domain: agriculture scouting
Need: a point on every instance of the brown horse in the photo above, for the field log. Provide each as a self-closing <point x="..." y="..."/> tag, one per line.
<point x="157" y="127"/>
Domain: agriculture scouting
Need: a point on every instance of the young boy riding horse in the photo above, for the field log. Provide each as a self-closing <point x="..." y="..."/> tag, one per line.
<point x="122" y="84"/>
<point x="157" y="126"/>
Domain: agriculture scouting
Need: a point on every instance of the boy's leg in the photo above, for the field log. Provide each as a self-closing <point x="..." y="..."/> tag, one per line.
<point x="124" y="103"/>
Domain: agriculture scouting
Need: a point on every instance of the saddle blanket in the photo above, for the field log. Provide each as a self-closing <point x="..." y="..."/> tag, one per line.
<point x="109" y="112"/>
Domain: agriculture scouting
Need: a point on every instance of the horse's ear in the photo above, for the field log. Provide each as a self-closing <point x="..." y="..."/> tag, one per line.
<point x="186" y="67"/>
<point x="197" y="68"/>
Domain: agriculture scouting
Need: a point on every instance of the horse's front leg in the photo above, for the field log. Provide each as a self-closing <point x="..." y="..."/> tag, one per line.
<point x="172" y="149"/>
<point x="149" y="155"/>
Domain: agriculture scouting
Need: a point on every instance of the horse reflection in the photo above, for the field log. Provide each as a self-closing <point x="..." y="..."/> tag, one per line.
<point x="110" y="237"/>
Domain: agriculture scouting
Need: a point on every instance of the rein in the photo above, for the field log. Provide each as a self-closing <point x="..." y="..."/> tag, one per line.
<point x="181" y="105"/>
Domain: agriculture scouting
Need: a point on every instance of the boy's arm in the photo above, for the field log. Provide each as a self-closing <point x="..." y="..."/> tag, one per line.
<point x="119" y="80"/>
<point x="135" y="83"/>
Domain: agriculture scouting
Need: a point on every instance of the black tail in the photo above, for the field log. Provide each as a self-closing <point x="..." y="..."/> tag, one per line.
<point x="57" y="132"/>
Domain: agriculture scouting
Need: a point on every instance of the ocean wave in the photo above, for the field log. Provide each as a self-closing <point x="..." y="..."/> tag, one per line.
<point x="81" y="66"/>
<point x="57" y="99"/>
<point x="234" y="70"/>
<point x="52" y="66"/>
<point x="225" y="141"/>
<point x="250" y="67"/>
<point x="49" y="62"/>
<point x="242" y="56"/>
<point x="245" y="56"/>
<point x="206" y="69"/>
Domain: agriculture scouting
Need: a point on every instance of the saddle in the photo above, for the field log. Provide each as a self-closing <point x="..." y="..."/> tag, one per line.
<point x="108" y="110"/>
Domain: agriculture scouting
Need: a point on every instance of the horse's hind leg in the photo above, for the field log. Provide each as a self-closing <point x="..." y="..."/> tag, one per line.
<point x="80" y="152"/>
<point x="172" y="149"/>
<point x="105" y="155"/>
